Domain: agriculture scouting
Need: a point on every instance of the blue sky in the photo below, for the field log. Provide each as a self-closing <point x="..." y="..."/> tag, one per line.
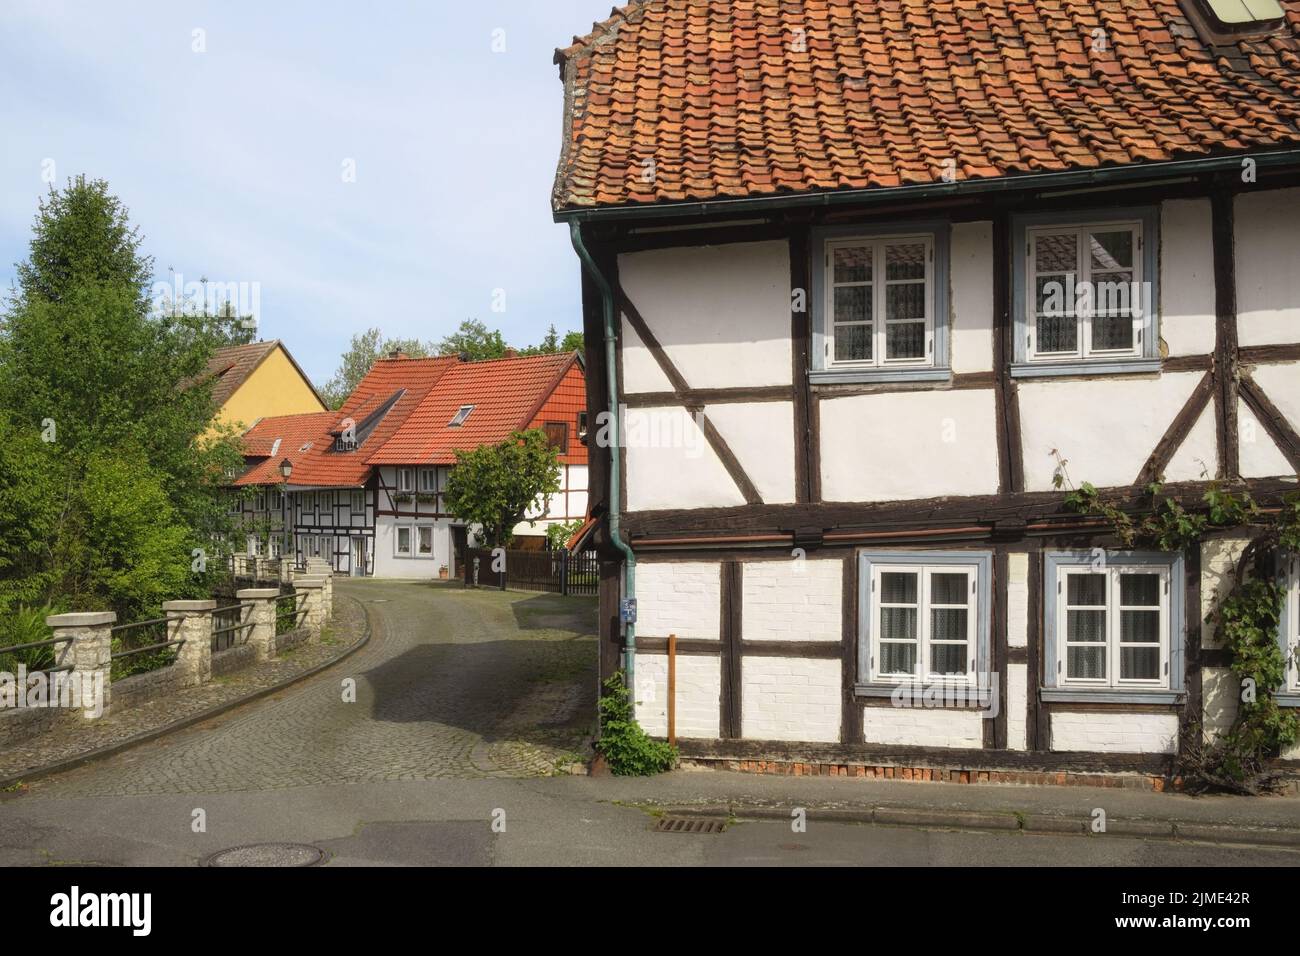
<point x="232" y="160"/>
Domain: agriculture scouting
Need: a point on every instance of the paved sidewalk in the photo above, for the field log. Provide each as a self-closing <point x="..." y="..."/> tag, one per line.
<point x="1266" y="820"/>
<point x="70" y="740"/>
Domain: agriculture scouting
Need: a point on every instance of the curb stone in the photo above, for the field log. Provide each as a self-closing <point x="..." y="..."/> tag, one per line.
<point x="91" y="756"/>
<point x="1005" y="821"/>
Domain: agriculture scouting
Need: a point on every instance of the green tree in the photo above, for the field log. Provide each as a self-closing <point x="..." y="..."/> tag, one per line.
<point x="573" y="342"/>
<point x="83" y="234"/>
<point x="107" y="401"/>
<point x="495" y="485"/>
<point x="363" y="352"/>
<point x="474" y="340"/>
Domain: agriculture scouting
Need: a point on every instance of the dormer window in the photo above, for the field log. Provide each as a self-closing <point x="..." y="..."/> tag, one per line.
<point x="1221" y="22"/>
<point x="343" y="443"/>
<point x="459" y="418"/>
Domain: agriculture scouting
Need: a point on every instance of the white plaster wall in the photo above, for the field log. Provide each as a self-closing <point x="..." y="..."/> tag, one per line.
<point x="1197" y="458"/>
<point x="1105" y="428"/>
<point x="699" y="691"/>
<point x="1017" y="600"/>
<point x="1114" y="732"/>
<point x="722" y="313"/>
<point x="923" y="727"/>
<point x="641" y="373"/>
<point x="1219" y="557"/>
<point x="1267" y="255"/>
<point x="670" y="464"/>
<point x="1281" y="383"/>
<point x="894" y="446"/>
<point x="388" y="565"/>
<point x="1258" y="453"/>
<point x="761" y="436"/>
<point x="792" y="600"/>
<point x="1017" y="706"/>
<point x="1186" y="277"/>
<point x="784" y="698"/>
<point x="1219" y="690"/>
<point x="971" y="296"/>
<point x="679" y="597"/>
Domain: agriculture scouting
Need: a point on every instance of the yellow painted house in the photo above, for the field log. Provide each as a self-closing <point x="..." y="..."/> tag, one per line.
<point x="257" y="381"/>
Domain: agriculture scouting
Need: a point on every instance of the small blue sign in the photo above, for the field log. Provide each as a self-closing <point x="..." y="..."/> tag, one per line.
<point x="627" y="610"/>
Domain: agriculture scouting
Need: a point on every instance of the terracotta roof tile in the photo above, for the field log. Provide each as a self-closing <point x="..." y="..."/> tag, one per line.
<point x="676" y="100"/>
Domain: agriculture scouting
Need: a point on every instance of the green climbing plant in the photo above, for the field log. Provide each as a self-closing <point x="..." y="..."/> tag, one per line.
<point x="629" y="750"/>
<point x="1247" y="618"/>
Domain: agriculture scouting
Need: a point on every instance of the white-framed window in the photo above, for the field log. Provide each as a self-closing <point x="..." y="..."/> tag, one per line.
<point x="1114" y="623"/>
<point x="879" y="302"/>
<point x="424" y="541"/>
<point x="254" y="545"/>
<point x="405" y="480"/>
<point x="309" y="502"/>
<point x="924" y="617"/>
<point x="402" y="543"/>
<point x="274" y="500"/>
<point x="1087" y="291"/>
<point x="235" y="506"/>
<point x="259" y="500"/>
<point x="358" y="502"/>
<point x="1085" y="288"/>
<point x="276" y="546"/>
<point x="327" y="502"/>
<point x="428" y="481"/>
<point x="925" y="622"/>
<point x="327" y="548"/>
<point x="458" y="419"/>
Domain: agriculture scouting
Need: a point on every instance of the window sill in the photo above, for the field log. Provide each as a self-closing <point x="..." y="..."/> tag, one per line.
<point x="859" y="376"/>
<point x="1079" y="695"/>
<point x="888" y="690"/>
<point x="1290" y="698"/>
<point x="1085" y="367"/>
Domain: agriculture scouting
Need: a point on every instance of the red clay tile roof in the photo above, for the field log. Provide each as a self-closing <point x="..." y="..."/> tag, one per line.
<point x="506" y="394"/>
<point x="718" y="95"/>
<point x="293" y="432"/>
<point x="320" y="465"/>
<point x="233" y="365"/>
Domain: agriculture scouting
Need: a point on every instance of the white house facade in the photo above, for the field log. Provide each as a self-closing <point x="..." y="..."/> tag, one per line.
<point x="852" y="404"/>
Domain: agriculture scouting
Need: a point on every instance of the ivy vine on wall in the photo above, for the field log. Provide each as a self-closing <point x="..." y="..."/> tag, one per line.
<point x="1247" y="619"/>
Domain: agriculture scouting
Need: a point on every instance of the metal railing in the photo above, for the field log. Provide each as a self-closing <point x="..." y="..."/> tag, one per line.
<point x="291" y="618"/>
<point x="228" y="626"/>
<point x="127" y="660"/>
<point x="34" y="662"/>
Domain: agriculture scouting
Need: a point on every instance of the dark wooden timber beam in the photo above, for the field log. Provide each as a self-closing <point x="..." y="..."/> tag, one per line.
<point x="1225" y="330"/>
<point x="1177" y="432"/>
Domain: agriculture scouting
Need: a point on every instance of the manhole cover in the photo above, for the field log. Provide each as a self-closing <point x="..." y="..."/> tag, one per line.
<point x="268" y="854"/>
<point x="690" y="825"/>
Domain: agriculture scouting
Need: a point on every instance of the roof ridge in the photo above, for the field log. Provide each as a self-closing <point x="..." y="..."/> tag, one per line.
<point x="600" y="30"/>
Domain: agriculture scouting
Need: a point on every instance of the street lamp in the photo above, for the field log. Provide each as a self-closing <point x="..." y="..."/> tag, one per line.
<point x="286" y="512"/>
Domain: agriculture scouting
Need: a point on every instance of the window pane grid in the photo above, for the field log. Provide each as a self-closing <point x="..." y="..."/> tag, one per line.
<point x="887" y="322"/>
<point x="924" y="623"/>
<point x="1115" y="627"/>
<point x="1086" y="286"/>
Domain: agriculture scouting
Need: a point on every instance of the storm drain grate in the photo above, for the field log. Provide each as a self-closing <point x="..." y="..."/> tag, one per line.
<point x="690" y="825"/>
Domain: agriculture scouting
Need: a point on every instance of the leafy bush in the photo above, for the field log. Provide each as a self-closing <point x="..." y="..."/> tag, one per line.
<point x="26" y="625"/>
<point x="627" y="748"/>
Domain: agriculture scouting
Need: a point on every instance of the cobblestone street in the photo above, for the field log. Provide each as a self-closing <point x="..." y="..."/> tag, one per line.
<point x="454" y="683"/>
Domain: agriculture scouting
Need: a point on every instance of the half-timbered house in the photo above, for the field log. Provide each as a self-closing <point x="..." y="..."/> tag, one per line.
<point x="824" y="246"/>
<point x="363" y="487"/>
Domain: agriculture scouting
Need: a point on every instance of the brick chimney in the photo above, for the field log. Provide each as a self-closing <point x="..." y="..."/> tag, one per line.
<point x="397" y="354"/>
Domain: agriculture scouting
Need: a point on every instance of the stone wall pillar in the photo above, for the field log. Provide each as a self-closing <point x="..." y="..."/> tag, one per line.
<point x="191" y="622"/>
<point x="89" y="652"/>
<point x="312" y="590"/>
<point x="261" y="614"/>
